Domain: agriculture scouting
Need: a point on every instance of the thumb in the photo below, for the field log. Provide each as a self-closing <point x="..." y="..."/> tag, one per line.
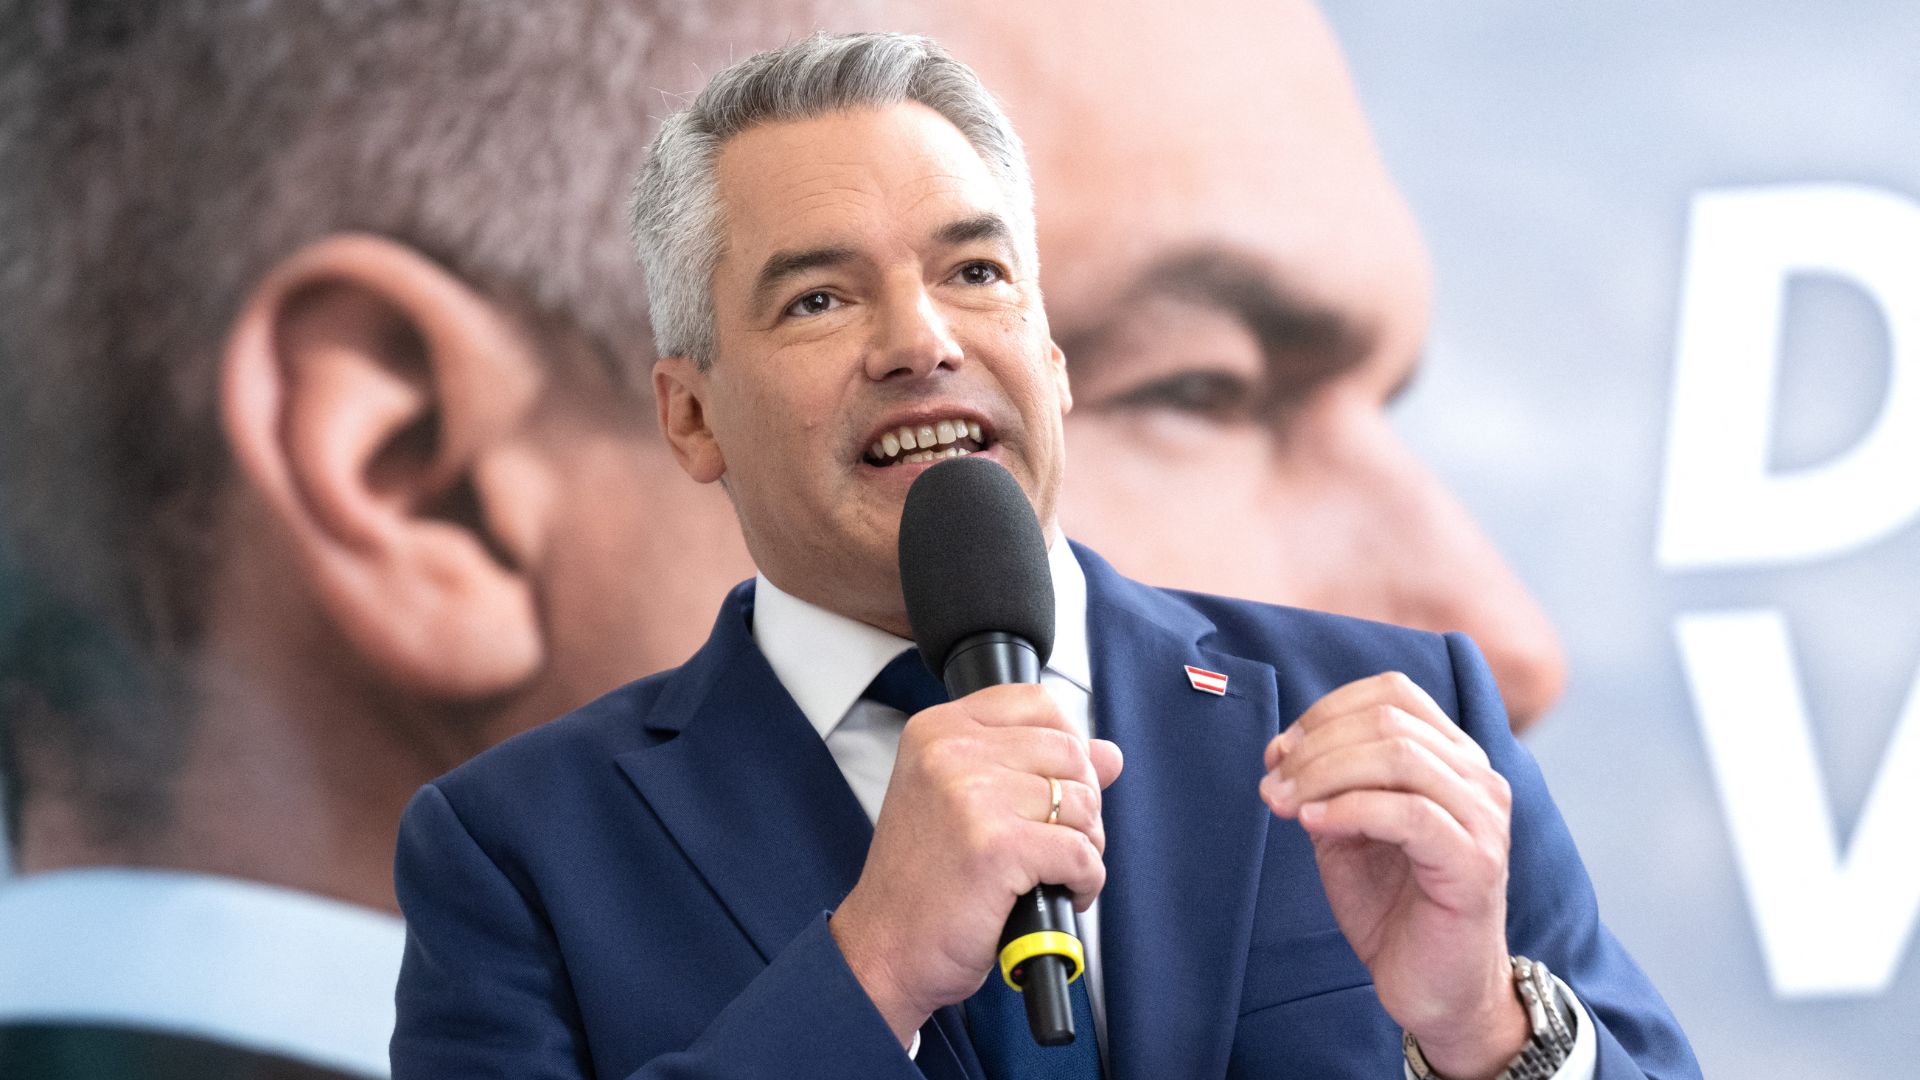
<point x="1107" y="760"/>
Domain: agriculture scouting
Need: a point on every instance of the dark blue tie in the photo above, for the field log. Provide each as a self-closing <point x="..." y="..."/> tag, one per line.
<point x="996" y="1015"/>
<point x="907" y="685"/>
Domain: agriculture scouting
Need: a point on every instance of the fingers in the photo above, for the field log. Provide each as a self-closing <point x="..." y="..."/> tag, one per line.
<point x="1079" y="806"/>
<point x="1377" y="725"/>
<point x="1378" y="758"/>
<point x="1107" y="761"/>
<point x="1020" y="727"/>
<point x="1463" y="789"/>
<point x="1023" y="731"/>
<point x="1430" y="836"/>
<point x="1064" y="857"/>
<point x="1005" y="743"/>
<point x="1015" y="705"/>
<point x="1390" y="690"/>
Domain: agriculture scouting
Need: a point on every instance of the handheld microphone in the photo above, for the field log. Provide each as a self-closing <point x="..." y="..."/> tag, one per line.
<point x="973" y="567"/>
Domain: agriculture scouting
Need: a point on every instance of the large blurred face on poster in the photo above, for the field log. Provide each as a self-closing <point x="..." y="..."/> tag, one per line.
<point x="328" y="454"/>
<point x="1241" y="293"/>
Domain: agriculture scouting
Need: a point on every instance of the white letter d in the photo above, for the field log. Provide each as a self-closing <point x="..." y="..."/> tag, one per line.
<point x="1721" y="506"/>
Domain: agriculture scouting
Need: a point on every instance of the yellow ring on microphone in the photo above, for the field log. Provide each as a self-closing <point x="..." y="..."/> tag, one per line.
<point x="1041" y="943"/>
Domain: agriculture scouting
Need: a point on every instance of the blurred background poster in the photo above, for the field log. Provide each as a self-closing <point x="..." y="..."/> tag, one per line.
<point x="1677" y="300"/>
<point x="1673" y="372"/>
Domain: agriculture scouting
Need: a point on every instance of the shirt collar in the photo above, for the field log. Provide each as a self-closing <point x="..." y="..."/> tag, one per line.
<point x="825" y="660"/>
<point x="187" y="953"/>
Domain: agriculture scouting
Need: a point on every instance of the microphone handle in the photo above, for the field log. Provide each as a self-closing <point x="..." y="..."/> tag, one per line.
<point x="995" y="658"/>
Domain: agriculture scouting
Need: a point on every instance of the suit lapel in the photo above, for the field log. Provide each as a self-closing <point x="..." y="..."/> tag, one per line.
<point x="748" y="789"/>
<point x="1185" y="828"/>
<point x="751" y="794"/>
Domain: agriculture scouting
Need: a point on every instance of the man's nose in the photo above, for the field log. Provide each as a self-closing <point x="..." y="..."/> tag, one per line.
<point x="1381" y="537"/>
<point x="912" y="336"/>
<point x="1445" y="574"/>
<point x="1463" y="583"/>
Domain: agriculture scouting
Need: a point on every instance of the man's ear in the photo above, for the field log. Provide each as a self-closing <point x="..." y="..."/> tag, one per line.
<point x="1058" y="357"/>
<point x="374" y="402"/>
<point x="680" y="394"/>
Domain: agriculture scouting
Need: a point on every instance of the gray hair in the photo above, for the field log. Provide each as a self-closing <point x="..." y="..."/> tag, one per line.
<point x="160" y="158"/>
<point x="677" y="222"/>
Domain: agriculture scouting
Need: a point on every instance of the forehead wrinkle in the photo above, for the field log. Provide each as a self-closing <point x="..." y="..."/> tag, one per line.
<point x="940" y="186"/>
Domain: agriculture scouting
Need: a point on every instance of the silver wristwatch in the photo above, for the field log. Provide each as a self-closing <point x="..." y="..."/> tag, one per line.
<point x="1548" y="1011"/>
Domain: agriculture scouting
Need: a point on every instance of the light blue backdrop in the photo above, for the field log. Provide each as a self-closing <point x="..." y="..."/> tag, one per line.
<point x="1552" y="153"/>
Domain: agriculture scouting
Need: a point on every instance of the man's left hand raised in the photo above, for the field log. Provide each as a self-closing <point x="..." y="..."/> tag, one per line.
<point x="1410" y="828"/>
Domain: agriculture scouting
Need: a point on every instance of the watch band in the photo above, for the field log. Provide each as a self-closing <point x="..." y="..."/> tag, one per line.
<point x="1548" y="1013"/>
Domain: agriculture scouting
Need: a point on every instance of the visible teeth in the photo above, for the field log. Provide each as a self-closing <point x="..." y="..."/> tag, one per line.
<point x="926" y="442"/>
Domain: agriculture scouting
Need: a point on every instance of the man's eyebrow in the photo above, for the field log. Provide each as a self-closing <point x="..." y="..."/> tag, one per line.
<point x="782" y="265"/>
<point x="978" y="227"/>
<point x="1305" y="342"/>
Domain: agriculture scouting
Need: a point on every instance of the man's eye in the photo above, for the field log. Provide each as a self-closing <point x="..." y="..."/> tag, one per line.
<point x="813" y="303"/>
<point x="1212" y="395"/>
<point x="979" y="273"/>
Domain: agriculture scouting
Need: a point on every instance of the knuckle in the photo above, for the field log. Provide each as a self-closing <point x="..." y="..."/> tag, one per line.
<point x="994" y="839"/>
<point x="1398" y="683"/>
<point x="1060" y="746"/>
<point x="1090" y="862"/>
<point x="979" y="853"/>
<point x="943" y="755"/>
<point x="1087" y="802"/>
<point x="1501" y="788"/>
<point x="914" y="738"/>
<point x="1037" y="703"/>
<point x="975" y="797"/>
<point x="1404" y="755"/>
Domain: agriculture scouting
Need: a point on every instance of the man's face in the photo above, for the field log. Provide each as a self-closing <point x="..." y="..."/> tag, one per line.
<point x="870" y="291"/>
<point x="1240" y="292"/>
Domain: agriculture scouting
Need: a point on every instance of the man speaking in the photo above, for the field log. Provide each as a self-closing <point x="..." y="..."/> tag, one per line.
<point x="1325" y="855"/>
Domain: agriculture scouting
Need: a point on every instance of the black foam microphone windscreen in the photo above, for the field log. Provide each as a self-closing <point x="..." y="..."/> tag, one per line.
<point x="973" y="560"/>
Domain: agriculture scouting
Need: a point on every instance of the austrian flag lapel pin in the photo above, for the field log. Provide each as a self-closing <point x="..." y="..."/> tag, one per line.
<point x="1208" y="682"/>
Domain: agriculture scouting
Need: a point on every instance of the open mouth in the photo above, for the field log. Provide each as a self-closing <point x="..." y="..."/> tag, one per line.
<point x="911" y="443"/>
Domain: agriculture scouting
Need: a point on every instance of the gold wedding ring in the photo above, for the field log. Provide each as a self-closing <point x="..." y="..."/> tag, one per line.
<point x="1053" y="811"/>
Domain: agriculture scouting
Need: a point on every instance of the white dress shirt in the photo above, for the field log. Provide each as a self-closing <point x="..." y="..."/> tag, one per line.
<point x="255" y="966"/>
<point x="825" y="661"/>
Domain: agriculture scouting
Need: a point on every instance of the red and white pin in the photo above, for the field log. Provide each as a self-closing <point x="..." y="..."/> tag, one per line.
<point x="1210" y="682"/>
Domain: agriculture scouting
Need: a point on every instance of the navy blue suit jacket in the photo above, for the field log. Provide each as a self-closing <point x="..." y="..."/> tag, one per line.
<point x="641" y="888"/>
